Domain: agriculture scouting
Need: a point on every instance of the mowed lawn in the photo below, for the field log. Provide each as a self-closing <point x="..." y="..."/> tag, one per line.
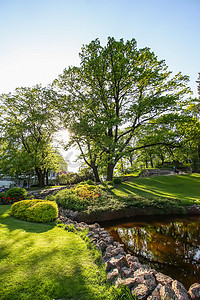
<point x="40" y="261"/>
<point x="184" y="187"/>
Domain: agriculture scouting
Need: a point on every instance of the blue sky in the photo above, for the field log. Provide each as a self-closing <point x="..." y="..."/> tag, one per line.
<point x="40" y="38"/>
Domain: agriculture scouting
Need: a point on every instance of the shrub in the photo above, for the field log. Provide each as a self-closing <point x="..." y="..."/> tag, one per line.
<point x="85" y="197"/>
<point x="2" y="198"/>
<point x="18" y="193"/>
<point x="35" y="210"/>
<point x="13" y="195"/>
<point x="74" y="199"/>
<point x="117" y="180"/>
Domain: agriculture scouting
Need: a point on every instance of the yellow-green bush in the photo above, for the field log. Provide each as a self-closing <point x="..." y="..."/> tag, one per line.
<point x="35" y="210"/>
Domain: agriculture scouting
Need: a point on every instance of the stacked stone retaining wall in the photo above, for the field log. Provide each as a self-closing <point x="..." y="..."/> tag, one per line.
<point x="126" y="269"/>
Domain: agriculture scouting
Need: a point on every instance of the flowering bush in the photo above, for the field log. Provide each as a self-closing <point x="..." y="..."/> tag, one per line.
<point x="77" y="198"/>
<point x="13" y="195"/>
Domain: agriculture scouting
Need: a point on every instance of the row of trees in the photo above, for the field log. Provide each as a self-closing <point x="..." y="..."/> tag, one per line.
<point x="118" y="101"/>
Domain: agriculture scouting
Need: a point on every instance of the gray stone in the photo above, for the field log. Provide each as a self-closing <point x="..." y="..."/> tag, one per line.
<point x="129" y="282"/>
<point x="135" y="266"/>
<point x="109" y="266"/>
<point x="101" y="245"/>
<point x="163" y="279"/>
<point x="150" y="280"/>
<point x="126" y="272"/>
<point x="141" y="292"/>
<point x="194" y="291"/>
<point x="180" y="290"/>
<point x="156" y="293"/>
<point x="132" y="259"/>
<point x="166" y="293"/>
<point x="112" y="275"/>
<point x="121" y="262"/>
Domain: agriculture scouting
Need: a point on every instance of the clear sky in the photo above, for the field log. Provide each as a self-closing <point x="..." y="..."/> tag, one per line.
<point x="39" y="38"/>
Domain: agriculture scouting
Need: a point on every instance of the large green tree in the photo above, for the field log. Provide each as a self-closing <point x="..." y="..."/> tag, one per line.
<point x="116" y="90"/>
<point x="27" y="124"/>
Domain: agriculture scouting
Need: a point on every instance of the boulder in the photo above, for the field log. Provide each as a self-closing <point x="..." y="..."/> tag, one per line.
<point x="112" y="275"/>
<point x="166" y="293"/>
<point x="180" y="290"/>
<point x="141" y="292"/>
<point x="163" y="279"/>
<point x="194" y="291"/>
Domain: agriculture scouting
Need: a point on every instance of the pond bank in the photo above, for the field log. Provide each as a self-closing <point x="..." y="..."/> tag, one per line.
<point x="102" y="216"/>
<point x="126" y="269"/>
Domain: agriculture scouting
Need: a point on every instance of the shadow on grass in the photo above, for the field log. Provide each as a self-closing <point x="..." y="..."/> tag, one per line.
<point x="45" y="262"/>
<point x="13" y="223"/>
<point x="183" y="187"/>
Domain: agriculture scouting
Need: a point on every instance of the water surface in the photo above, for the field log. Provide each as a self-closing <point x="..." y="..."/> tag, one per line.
<point x="170" y="245"/>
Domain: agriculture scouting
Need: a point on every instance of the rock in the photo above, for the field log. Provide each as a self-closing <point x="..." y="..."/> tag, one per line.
<point x="126" y="272"/>
<point x="141" y="292"/>
<point x="180" y="290"/>
<point x="150" y="280"/>
<point x="109" y="240"/>
<point x="166" y="293"/>
<point x="131" y="258"/>
<point x="112" y="275"/>
<point x="135" y="266"/>
<point x="109" y="266"/>
<point x="121" y="262"/>
<point x="116" y="251"/>
<point x="163" y="279"/>
<point x="129" y="282"/>
<point x="156" y="293"/>
<point x="106" y="257"/>
<point x="101" y="245"/>
<point x="194" y="291"/>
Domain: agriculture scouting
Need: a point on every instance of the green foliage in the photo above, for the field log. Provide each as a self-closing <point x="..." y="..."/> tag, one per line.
<point x="27" y="124"/>
<point x="17" y="192"/>
<point x="13" y="195"/>
<point x="86" y="197"/>
<point x="35" y="210"/>
<point x="116" y="92"/>
<point x="62" y="179"/>
<point x="78" y="198"/>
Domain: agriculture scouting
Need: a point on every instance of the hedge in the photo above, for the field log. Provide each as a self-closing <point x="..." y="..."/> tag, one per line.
<point x="35" y="210"/>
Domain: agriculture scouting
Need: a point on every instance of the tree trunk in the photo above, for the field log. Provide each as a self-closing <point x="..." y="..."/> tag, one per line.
<point x="96" y="174"/>
<point x="110" y="170"/>
<point x="146" y="162"/>
<point x="151" y="161"/>
<point x="47" y="177"/>
<point x="41" y="177"/>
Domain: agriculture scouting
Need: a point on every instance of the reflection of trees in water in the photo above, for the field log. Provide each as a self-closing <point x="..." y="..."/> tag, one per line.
<point x="171" y="248"/>
<point x="176" y="243"/>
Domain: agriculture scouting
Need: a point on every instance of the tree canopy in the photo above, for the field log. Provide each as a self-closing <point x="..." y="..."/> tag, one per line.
<point x="115" y="94"/>
<point x="27" y="124"/>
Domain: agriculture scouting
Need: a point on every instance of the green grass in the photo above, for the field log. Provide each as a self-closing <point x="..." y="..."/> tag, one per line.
<point x="182" y="187"/>
<point x="40" y="261"/>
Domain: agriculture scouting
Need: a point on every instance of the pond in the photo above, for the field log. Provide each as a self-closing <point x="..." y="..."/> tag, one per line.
<point x="170" y="245"/>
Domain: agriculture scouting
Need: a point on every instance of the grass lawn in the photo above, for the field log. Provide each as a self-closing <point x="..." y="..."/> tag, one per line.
<point x="183" y="187"/>
<point x="40" y="261"/>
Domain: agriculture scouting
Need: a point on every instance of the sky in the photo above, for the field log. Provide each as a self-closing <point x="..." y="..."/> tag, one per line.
<point x="39" y="38"/>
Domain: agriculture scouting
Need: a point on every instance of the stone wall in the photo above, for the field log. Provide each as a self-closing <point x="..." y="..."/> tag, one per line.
<point x="125" y="269"/>
<point x="155" y="172"/>
<point x="41" y="194"/>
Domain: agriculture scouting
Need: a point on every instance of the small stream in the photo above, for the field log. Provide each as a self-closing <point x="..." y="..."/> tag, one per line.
<point x="170" y="245"/>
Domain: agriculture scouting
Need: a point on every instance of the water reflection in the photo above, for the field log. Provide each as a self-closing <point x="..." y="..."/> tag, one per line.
<point x="171" y="246"/>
